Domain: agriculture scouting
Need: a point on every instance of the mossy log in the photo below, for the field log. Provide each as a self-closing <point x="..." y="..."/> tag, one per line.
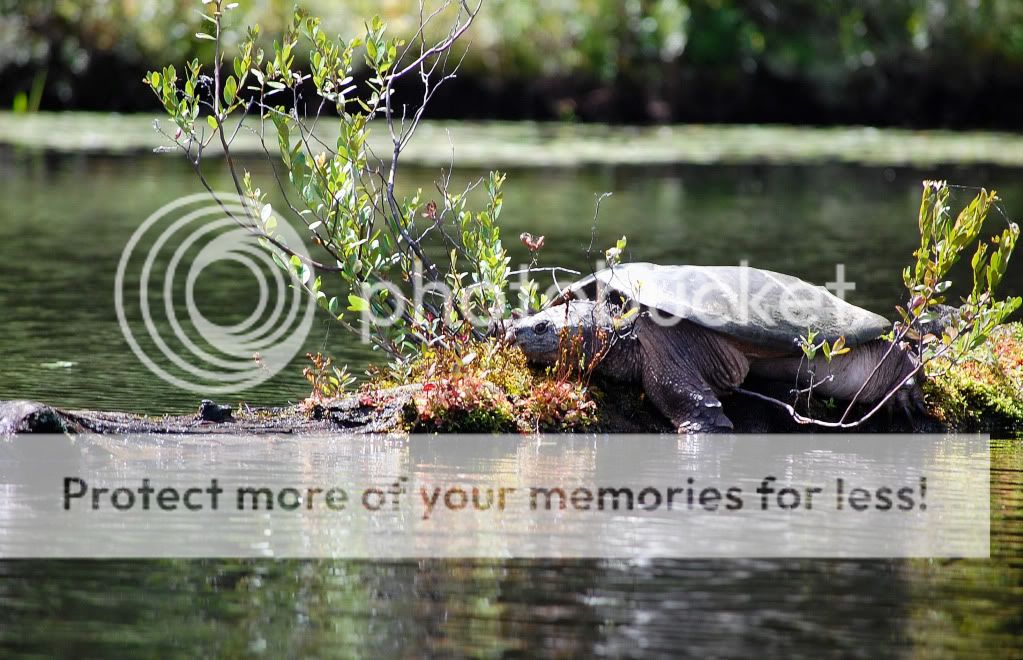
<point x="981" y="394"/>
<point x="383" y="413"/>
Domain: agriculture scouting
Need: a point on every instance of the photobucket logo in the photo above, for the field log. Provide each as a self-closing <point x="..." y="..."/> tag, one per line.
<point x="727" y="297"/>
<point x="433" y="300"/>
<point x="193" y="234"/>
<point x="717" y="297"/>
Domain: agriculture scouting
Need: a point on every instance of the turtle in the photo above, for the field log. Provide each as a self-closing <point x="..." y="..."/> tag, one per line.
<point x="693" y="334"/>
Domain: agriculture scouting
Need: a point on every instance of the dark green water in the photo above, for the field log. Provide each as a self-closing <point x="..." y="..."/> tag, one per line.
<point x="916" y="608"/>
<point x="63" y="224"/>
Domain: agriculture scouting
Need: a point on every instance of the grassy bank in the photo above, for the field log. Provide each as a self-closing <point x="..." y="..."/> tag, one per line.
<point x="528" y="144"/>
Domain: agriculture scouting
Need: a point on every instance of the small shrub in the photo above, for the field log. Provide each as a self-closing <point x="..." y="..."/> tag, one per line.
<point x="328" y="382"/>
<point x="944" y="342"/>
<point x="371" y="242"/>
<point x="944" y="240"/>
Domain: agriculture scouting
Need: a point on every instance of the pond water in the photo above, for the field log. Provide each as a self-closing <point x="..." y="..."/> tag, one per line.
<point x="63" y="224"/>
<point x="487" y="608"/>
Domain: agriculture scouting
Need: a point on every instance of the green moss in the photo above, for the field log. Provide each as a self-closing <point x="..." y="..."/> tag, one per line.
<point x="985" y="391"/>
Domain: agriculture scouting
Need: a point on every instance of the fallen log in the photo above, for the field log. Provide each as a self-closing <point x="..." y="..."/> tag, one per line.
<point x="982" y="394"/>
<point x="356" y="414"/>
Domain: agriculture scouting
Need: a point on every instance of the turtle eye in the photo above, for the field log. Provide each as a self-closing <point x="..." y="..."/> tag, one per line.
<point x="542" y="327"/>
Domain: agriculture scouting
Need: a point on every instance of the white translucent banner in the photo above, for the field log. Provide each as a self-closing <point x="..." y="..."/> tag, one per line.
<point x="373" y="497"/>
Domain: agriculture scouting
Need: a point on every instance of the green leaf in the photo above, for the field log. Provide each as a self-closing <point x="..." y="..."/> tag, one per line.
<point x="212" y="121"/>
<point x="230" y="89"/>
<point x="204" y="36"/>
<point x="357" y="304"/>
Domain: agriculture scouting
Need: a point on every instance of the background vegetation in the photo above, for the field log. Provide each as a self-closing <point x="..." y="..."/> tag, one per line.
<point x="951" y="63"/>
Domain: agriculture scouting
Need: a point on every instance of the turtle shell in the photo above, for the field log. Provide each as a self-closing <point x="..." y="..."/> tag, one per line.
<point x="757" y="306"/>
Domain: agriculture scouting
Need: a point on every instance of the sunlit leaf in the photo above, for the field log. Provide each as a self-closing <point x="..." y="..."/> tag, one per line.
<point x="357" y="304"/>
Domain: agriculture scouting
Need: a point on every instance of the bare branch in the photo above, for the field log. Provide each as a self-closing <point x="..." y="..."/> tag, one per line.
<point x="593" y="227"/>
<point x="440" y="47"/>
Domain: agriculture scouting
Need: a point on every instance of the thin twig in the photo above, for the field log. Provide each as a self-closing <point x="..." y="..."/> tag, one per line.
<point x="444" y="45"/>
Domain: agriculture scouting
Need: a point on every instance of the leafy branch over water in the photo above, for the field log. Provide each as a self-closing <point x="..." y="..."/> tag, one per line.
<point x="376" y="244"/>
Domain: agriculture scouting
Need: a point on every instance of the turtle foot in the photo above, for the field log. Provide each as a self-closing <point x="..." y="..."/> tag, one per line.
<point x="719" y="425"/>
<point x="909" y="401"/>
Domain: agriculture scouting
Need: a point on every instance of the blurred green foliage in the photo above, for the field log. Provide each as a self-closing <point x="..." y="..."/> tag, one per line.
<point x="842" y="60"/>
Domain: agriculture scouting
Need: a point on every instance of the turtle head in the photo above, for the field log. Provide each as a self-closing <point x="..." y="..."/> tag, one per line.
<point x="539" y="335"/>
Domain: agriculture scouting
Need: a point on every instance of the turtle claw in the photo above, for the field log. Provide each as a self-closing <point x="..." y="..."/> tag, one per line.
<point x="721" y="424"/>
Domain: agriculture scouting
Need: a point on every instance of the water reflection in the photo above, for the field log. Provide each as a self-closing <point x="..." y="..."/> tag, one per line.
<point x="737" y="608"/>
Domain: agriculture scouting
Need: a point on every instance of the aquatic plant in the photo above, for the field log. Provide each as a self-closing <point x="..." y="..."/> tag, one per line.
<point x="376" y="276"/>
<point x="327" y="381"/>
<point x="557" y="406"/>
<point x="463" y="404"/>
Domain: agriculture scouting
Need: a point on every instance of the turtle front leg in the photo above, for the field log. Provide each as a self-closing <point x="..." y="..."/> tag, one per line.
<point x="684" y="368"/>
<point x="690" y="405"/>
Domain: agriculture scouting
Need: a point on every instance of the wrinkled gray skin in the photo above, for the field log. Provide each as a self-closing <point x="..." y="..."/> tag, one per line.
<point x="685" y="368"/>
